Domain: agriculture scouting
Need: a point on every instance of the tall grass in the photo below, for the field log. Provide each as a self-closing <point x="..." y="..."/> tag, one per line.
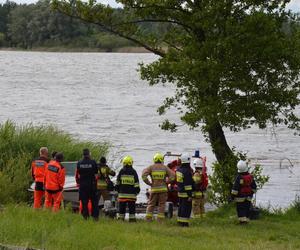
<point x="19" y="145"/>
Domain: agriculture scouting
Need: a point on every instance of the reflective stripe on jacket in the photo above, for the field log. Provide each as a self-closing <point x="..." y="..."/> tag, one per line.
<point x="54" y="176"/>
<point x="159" y="175"/>
<point x="127" y="185"/>
<point x="38" y="169"/>
<point x="243" y="187"/>
<point x="103" y="176"/>
<point x="185" y="181"/>
<point x="201" y="183"/>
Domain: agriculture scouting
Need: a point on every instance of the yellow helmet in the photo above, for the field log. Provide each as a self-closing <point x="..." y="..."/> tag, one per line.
<point x="127" y="161"/>
<point x="158" y="158"/>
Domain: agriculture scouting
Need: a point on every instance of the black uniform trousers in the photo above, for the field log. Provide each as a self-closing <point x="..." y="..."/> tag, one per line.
<point x="122" y="209"/>
<point x="86" y="194"/>
<point x="243" y="209"/>
<point x="184" y="211"/>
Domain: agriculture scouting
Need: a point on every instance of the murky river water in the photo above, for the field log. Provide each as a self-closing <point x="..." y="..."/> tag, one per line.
<point x="98" y="96"/>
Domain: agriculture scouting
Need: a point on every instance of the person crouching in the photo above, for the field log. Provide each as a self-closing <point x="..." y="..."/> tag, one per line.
<point x="243" y="189"/>
<point x="128" y="188"/>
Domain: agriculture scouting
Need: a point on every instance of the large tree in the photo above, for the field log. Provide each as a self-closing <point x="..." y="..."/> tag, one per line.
<point x="234" y="63"/>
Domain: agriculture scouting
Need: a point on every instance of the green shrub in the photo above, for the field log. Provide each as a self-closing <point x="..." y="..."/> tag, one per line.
<point x="19" y="145"/>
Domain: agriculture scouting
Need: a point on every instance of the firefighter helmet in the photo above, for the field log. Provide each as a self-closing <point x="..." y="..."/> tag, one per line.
<point x="185" y="158"/>
<point x="158" y="158"/>
<point x="198" y="163"/>
<point x="127" y="161"/>
<point x="242" y="166"/>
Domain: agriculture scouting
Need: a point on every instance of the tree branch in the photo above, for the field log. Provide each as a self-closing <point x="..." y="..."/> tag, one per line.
<point x="134" y="6"/>
<point x="155" y="21"/>
<point x="118" y="33"/>
<point x="172" y="45"/>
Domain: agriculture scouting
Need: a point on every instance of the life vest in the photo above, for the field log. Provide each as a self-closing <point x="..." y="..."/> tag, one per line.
<point x="245" y="184"/>
<point x="54" y="176"/>
<point x="38" y="169"/>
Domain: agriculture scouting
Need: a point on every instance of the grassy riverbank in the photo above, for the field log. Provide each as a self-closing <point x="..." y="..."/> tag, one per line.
<point x="19" y="145"/>
<point x="22" y="226"/>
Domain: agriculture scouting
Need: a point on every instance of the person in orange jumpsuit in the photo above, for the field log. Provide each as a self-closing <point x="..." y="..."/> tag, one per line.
<point x="38" y="167"/>
<point x="54" y="182"/>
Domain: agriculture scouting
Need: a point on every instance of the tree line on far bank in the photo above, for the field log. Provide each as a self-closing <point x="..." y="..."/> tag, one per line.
<point x="29" y="26"/>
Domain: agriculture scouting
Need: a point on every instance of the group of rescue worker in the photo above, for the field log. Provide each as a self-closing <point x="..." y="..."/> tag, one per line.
<point x="93" y="182"/>
<point x="49" y="177"/>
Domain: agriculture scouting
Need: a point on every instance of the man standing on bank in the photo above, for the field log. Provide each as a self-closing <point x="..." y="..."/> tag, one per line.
<point x="185" y="184"/>
<point x="86" y="178"/>
<point x="54" y="183"/>
<point x="103" y="179"/>
<point x="128" y="188"/>
<point x="38" y="168"/>
<point x="158" y="174"/>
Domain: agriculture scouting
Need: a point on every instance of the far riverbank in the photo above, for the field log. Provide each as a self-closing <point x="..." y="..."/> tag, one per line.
<point x="67" y="49"/>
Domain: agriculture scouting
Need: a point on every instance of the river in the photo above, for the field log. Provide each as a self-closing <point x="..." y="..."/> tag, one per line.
<point x="99" y="96"/>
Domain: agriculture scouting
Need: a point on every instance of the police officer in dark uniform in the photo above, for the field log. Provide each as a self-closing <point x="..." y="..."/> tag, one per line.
<point x="86" y="174"/>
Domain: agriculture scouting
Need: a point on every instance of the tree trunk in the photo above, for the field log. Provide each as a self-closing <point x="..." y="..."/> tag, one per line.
<point x="218" y="142"/>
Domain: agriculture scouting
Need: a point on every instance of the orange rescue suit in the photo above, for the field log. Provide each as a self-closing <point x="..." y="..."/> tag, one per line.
<point x="54" y="183"/>
<point x="38" y="174"/>
<point x="38" y="169"/>
<point x="54" y="176"/>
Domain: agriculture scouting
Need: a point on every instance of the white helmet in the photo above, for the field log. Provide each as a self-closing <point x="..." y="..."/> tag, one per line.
<point x="242" y="166"/>
<point x="198" y="163"/>
<point x="185" y="158"/>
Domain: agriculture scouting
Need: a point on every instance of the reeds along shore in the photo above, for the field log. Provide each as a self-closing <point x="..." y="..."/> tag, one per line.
<point x="19" y="145"/>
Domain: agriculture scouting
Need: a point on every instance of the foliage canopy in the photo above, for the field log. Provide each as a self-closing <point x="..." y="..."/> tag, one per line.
<point x="234" y="64"/>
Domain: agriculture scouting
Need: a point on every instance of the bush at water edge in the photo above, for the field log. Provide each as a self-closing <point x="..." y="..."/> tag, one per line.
<point x="19" y="145"/>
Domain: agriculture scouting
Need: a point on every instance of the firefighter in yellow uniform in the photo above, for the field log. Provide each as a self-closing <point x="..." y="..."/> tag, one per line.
<point x="103" y="179"/>
<point x="185" y="182"/>
<point x="158" y="174"/>
<point x="128" y="187"/>
<point x="200" y="183"/>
